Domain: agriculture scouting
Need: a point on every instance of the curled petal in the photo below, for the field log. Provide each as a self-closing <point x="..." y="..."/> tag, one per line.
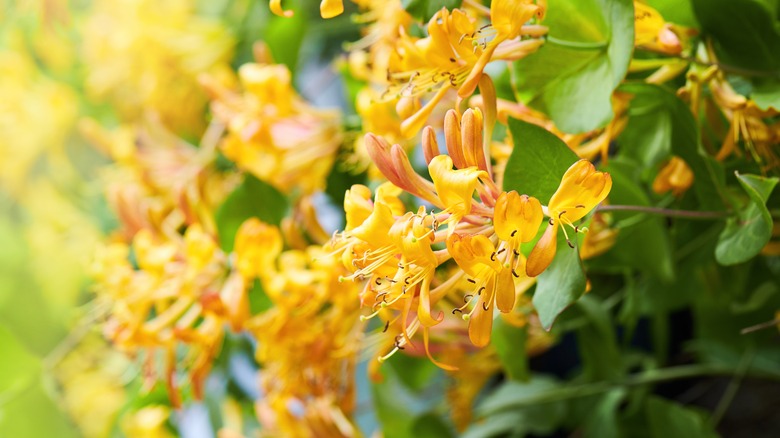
<point x="481" y="322"/>
<point x="276" y="8"/>
<point x="505" y="291"/>
<point x="517" y="216"/>
<point x="582" y="189"/>
<point x="472" y="253"/>
<point x="543" y="253"/>
<point x="455" y="188"/>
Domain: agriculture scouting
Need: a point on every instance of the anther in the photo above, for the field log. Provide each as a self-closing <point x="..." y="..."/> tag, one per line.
<point x="576" y="229"/>
<point x="515" y="274"/>
<point x="561" y="214"/>
<point x="472" y="281"/>
<point x="387" y="326"/>
<point x="579" y="206"/>
<point x="484" y="306"/>
<point x="513" y="233"/>
<point x="551" y="221"/>
<point x="406" y="280"/>
<point x="516" y="253"/>
<point x="378" y="281"/>
<point x="479" y="292"/>
<point x="456" y="310"/>
<point x="493" y="257"/>
<point x="467" y="297"/>
<point x="571" y="245"/>
<point x="501" y="250"/>
<point x="452" y="60"/>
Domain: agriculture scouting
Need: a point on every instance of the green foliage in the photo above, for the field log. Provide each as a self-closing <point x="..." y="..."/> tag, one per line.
<point x="425" y="9"/>
<point x="538" y="161"/>
<point x="509" y="342"/>
<point x="750" y="230"/>
<point x="253" y="198"/>
<point x="588" y="49"/>
<point x="746" y="32"/>
<point x="560" y="285"/>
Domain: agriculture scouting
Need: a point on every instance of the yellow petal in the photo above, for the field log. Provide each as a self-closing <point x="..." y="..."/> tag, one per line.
<point x="582" y="189"/>
<point x="331" y="8"/>
<point x="508" y="16"/>
<point x="276" y="8"/>
<point x="517" y="216"/>
<point x="455" y="188"/>
<point x="473" y="253"/>
<point x="543" y="253"/>
<point x="505" y="291"/>
<point x="481" y="322"/>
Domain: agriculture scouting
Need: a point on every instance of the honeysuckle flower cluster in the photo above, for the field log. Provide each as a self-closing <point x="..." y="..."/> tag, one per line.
<point x="398" y="252"/>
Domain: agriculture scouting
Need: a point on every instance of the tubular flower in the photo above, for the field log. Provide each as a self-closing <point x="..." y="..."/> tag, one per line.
<point x="652" y="32"/>
<point x="272" y="133"/>
<point x="675" y="176"/>
<point x="172" y="300"/>
<point x="307" y="346"/>
<point x="582" y="189"/>
<point x="455" y="52"/>
<point x="395" y="251"/>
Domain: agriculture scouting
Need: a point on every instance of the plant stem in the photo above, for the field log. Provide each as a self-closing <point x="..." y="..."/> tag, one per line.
<point x="687" y="214"/>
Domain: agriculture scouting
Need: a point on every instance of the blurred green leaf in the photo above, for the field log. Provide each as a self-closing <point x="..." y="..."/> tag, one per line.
<point x="538" y="161"/>
<point x="676" y="11"/>
<point x="253" y="198"/>
<point x="668" y="419"/>
<point x="284" y="36"/>
<point x="659" y="124"/>
<point x="597" y="342"/>
<point x="560" y="285"/>
<point x="746" y="32"/>
<point x="415" y="372"/>
<point x="425" y="9"/>
<point x="638" y="231"/>
<point x="746" y="234"/>
<point x="766" y="93"/>
<point x="571" y="78"/>
<point x="603" y="420"/>
<point x="432" y="425"/>
<point x="509" y="342"/>
<point x="513" y="406"/>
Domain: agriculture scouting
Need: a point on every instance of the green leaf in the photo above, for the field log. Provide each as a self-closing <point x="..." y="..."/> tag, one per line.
<point x="766" y="93"/>
<point x="746" y="234"/>
<point x="431" y="424"/>
<point x="520" y="400"/>
<point x="571" y="78"/>
<point x="253" y="198"/>
<point x="560" y="285"/>
<point x="636" y="230"/>
<point x="603" y="421"/>
<point x="668" y="419"/>
<point x="745" y="32"/>
<point x="538" y="161"/>
<point x="660" y="123"/>
<point x="425" y="9"/>
<point x="597" y="342"/>
<point x="284" y="36"/>
<point x="676" y="11"/>
<point x="509" y="342"/>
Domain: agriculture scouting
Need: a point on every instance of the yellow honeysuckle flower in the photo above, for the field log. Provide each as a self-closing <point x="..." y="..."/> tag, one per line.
<point x="517" y="217"/>
<point x="493" y="282"/>
<point x="455" y="188"/>
<point x="676" y="176"/>
<point x="454" y="54"/>
<point x="257" y="247"/>
<point x="652" y="32"/>
<point x="582" y="189"/>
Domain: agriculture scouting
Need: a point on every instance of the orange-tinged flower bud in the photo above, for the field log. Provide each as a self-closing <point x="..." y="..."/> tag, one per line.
<point x="517" y="217"/>
<point x="543" y="253"/>
<point x="675" y="176"/>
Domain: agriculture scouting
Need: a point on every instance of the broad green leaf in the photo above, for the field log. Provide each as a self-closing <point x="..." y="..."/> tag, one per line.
<point x="745" y="32"/>
<point x="560" y="285"/>
<point x="597" y="342"/>
<point x="571" y="78"/>
<point x="538" y="161"/>
<point x="668" y="419"/>
<point x="636" y="230"/>
<point x="284" y="36"/>
<point x="660" y="123"/>
<point x="425" y="9"/>
<point x="676" y="11"/>
<point x="766" y="93"/>
<point x="253" y="198"/>
<point x="259" y="301"/>
<point x="396" y="406"/>
<point x="416" y="373"/>
<point x="603" y="422"/>
<point x="521" y="399"/>
<point x="509" y="342"/>
<point x="431" y="424"/>
<point x="751" y="229"/>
